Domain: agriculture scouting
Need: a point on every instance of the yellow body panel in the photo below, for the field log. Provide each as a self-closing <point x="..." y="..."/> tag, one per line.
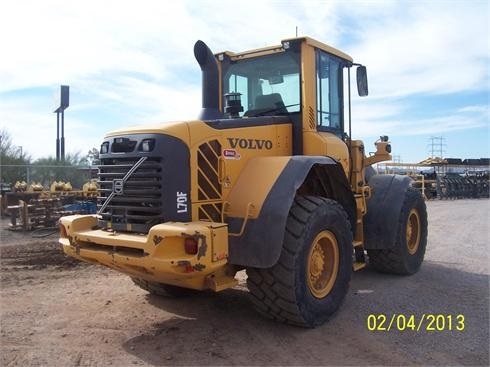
<point x="254" y="184"/>
<point x="312" y="43"/>
<point x="159" y="256"/>
<point x="238" y="146"/>
<point x="326" y="144"/>
<point x="178" y="129"/>
<point x="308" y="90"/>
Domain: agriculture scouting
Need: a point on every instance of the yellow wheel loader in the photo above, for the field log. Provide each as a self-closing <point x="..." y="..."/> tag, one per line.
<point x="267" y="179"/>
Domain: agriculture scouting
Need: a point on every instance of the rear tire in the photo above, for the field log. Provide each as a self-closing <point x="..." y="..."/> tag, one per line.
<point x="407" y="255"/>
<point x="311" y="278"/>
<point x="160" y="289"/>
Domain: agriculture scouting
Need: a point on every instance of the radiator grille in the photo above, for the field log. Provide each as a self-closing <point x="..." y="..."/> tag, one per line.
<point x="135" y="205"/>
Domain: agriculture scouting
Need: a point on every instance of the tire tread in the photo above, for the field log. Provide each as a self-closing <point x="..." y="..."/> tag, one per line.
<point x="393" y="260"/>
<point x="272" y="289"/>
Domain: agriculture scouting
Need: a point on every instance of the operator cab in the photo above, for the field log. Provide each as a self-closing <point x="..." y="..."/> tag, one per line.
<point x="269" y="82"/>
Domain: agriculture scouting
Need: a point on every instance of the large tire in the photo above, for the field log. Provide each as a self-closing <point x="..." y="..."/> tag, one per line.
<point x="160" y="289"/>
<point x="408" y="252"/>
<point x="369" y="172"/>
<point x="311" y="278"/>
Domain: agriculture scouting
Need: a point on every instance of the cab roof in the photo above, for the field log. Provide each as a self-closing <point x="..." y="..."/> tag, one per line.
<point x="279" y="48"/>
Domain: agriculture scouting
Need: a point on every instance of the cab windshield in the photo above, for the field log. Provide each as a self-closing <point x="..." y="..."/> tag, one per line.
<point x="269" y="85"/>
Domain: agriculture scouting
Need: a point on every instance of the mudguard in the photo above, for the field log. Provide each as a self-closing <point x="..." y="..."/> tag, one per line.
<point x="383" y="210"/>
<point x="260" y="244"/>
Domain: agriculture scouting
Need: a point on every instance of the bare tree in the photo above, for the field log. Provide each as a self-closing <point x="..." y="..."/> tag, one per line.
<point x="13" y="159"/>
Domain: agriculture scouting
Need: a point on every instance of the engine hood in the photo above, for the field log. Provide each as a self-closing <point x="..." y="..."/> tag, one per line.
<point x="178" y="129"/>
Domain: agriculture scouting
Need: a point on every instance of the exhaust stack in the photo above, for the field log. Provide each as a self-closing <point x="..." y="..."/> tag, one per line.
<point x="210" y="82"/>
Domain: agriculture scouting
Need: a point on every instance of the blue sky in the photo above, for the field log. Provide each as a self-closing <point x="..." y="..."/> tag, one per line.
<point x="132" y="62"/>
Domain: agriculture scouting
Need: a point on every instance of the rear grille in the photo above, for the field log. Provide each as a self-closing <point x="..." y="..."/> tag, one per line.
<point x="130" y="202"/>
<point x="211" y="212"/>
<point x="209" y="186"/>
<point x="207" y="179"/>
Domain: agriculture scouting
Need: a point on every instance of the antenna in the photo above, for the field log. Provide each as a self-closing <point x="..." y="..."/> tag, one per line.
<point x="296" y="31"/>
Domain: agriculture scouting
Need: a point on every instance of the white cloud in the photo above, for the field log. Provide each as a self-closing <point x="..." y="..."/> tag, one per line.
<point x="391" y="122"/>
<point x="426" y="47"/>
<point x="484" y="110"/>
<point x="35" y="128"/>
<point x="63" y="41"/>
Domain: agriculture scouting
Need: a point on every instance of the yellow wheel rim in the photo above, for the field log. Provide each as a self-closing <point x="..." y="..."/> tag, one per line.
<point x="323" y="264"/>
<point x="413" y="231"/>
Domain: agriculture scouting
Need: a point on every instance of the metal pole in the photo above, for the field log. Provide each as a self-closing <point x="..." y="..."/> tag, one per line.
<point x="63" y="135"/>
<point x="57" y="135"/>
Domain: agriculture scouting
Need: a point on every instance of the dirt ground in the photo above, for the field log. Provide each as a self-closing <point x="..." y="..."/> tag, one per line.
<point x="55" y="311"/>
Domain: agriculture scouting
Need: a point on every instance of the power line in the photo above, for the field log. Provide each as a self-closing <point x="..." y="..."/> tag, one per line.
<point x="397" y="159"/>
<point x="437" y="146"/>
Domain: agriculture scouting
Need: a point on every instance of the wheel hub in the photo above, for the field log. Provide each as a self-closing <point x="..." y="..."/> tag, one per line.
<point x="323" y="263"/>
<point x="413" y="231"/>
<point x="318" y="261"/>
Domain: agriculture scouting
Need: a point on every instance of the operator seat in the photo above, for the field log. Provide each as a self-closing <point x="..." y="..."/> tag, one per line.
<point x="268" y="104"/>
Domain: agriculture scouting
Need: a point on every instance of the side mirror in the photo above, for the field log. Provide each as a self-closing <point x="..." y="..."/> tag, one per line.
<point x="362" y="83"/>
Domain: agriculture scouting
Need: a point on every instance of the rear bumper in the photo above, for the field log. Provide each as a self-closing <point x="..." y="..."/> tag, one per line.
<point x="159" y="256"/>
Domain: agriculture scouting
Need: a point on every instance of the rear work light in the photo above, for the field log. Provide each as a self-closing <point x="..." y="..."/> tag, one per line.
<point x="104" y="148"/>
<point x="147" y="145"/>
<point x="190" y="245"/>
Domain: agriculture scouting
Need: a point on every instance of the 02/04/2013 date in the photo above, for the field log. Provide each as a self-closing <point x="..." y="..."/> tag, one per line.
<point x="425" y="322"/>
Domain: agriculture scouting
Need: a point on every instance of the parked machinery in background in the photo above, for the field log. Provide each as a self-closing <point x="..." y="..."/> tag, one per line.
<point x="456" y="186"/>
<point x="32" y="207"/>
<point x="448" y="178"/>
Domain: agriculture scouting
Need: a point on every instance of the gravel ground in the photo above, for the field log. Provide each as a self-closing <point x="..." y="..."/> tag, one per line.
<point x="55" y="311"/>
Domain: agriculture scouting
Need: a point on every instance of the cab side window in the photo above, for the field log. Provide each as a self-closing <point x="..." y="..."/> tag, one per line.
<point x="329" y="85"/>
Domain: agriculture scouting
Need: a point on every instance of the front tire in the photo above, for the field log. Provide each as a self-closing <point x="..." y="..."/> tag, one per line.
<point x="408" y="252"/>
<point x="311" y="278"/>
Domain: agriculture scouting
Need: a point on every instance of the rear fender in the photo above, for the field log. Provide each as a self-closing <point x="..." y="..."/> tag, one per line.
<point x="383" y="210"/>
<point x="270" y="184"/>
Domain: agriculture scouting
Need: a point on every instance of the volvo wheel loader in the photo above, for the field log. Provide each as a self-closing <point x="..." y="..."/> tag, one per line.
<point x="267" y="179"/>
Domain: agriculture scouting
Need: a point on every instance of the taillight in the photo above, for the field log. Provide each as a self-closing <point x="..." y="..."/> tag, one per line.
<point x="63" y="233"/>
<point x="190" y="245"/>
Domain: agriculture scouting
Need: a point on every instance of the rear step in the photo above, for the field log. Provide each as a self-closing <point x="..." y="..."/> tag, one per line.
<point x="360" y="257"/>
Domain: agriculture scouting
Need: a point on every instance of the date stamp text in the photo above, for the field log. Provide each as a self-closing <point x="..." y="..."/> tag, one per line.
<point x="418" y="323"/>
